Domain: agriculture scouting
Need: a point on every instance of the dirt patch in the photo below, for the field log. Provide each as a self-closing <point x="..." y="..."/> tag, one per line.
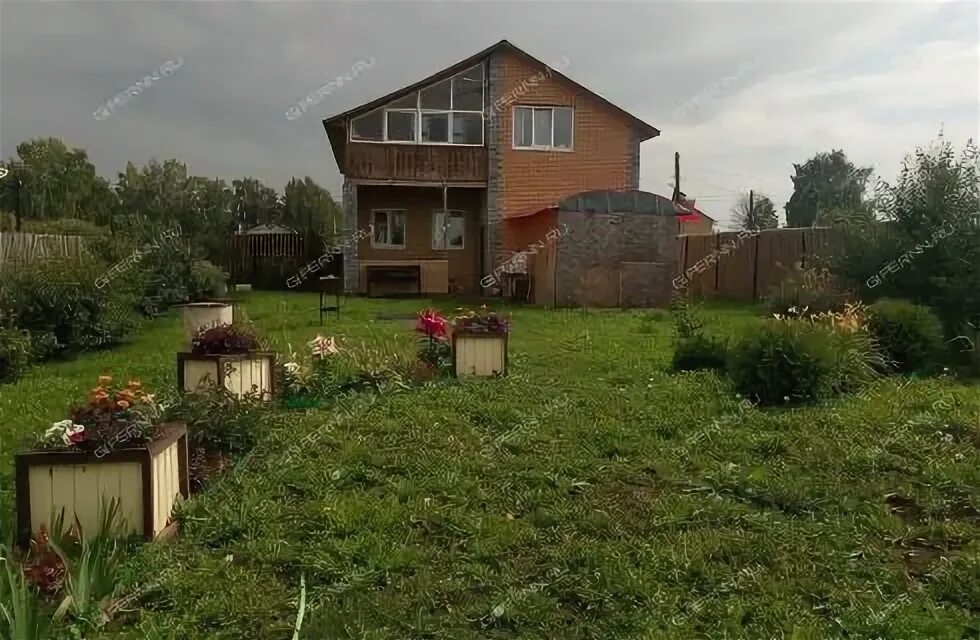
<point x="904" y="507"/>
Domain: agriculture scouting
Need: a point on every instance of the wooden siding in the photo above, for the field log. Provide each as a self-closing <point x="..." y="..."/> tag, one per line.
<point x="479" y="355"/>
<point x="416" y="162"/>
<point x="239" y="373"/>
<point x="146" y="483"/>
<point x="463" y="265"/>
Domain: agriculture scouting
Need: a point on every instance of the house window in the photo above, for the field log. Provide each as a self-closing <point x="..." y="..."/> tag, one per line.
<point x="543" y="128"/>
<point x="448" y="112"/>
<point x="447" y="231"/>
<point x="389" y="228"/>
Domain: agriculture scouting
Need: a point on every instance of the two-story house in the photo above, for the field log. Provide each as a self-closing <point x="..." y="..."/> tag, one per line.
<point x="440" y="170"/>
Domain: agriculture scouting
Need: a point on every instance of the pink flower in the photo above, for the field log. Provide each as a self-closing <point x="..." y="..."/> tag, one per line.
<point x="431" y="323"/>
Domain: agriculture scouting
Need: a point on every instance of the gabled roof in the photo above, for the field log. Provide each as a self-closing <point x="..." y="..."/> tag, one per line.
<point x="649" y="131"/>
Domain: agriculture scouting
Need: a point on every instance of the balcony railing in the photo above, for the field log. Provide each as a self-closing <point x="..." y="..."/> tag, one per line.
<point x="416" y="162"/>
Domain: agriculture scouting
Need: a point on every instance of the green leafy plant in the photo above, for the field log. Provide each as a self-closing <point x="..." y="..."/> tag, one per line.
<point x="61" y="297"/>
<point x="688" y="320"/>
<point x="218" y="421"/>
<point x="700" y="352"/>
<point x="206" y="281"/>
<point x="91" y="565"/>
<point x="911" y="335"/>
<point x="21" y="614"/>
<point x="784" y="362"/>
<point x="15" y="353"/>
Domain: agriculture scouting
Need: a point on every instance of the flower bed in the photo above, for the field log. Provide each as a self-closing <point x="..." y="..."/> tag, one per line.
<point x="479" y="344"/>
<point x="114" y="447"/>
<point x="227" y="356"/>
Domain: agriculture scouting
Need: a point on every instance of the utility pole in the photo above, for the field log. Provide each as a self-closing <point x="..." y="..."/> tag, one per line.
<point x="677" y="177"/>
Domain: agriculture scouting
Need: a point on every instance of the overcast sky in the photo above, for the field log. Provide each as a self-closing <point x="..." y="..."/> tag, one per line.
<point x="742" y="90"/>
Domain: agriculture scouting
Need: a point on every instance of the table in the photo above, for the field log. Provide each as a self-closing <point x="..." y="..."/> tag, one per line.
<point x="329" y="286"/>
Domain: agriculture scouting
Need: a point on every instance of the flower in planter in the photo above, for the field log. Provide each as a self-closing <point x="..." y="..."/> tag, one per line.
<point x="225" y="339"/>
<point x="111" y="415"/>
<point x="482" y="320"/>
<point x="66" y="431"/>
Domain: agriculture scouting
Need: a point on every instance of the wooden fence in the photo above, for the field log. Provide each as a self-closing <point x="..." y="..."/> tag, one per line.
<point x="737" y="266"/>
<point x="268" y="261"/>
<point x="23" y="248"/>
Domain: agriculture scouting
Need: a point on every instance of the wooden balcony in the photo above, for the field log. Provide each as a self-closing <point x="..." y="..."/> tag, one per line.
<point x="416" y="163"/>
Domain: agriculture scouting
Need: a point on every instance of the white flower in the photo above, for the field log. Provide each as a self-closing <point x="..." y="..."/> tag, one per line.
<point x="323" y="347"/>
<point x="71" y="430"/>
<point x="291" y="367"/>
<point x="64" y="424"/>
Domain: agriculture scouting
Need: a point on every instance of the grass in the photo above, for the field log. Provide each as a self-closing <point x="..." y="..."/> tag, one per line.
<point x="591" y="493"/>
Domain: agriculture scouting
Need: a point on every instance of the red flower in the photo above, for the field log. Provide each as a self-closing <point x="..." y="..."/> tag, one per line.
<point x="431" y="323"/>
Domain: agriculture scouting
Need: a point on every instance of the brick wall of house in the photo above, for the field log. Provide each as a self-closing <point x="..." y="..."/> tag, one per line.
<point x="605" y="145"/>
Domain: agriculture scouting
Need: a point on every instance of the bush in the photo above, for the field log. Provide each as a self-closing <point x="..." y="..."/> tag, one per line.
<point x="700" y="352"/>
<point x="929" y="250"/>
<point x="15" y="354"/>
<point x="910" y="335"/>
<point x="207" y="281"/>
<point x="785" y="362"/>
<point x="217" y="421"/>
<point x="60" y="297"/>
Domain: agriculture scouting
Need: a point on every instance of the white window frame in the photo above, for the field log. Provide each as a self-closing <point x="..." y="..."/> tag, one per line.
<point x="534" y="147"/>
<point x="451" y="212"/>
<point x="418" y="111"/>
<point x="388" y="245"/>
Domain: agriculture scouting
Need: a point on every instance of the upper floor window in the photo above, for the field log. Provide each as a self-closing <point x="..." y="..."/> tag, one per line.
<point x="448" y="112"/>
<point x="543" y="128"/>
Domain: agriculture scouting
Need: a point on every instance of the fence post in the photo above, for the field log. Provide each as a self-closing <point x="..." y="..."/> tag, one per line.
<point x="755" y="269"/>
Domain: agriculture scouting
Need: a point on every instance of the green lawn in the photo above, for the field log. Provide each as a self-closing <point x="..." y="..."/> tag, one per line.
<point x="590" y="494"/>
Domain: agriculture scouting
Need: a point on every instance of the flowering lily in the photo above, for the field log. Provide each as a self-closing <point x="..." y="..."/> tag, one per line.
<point x="291" y="367"/>
<point x="431" y="323"/>
<point x="323" y="347"/>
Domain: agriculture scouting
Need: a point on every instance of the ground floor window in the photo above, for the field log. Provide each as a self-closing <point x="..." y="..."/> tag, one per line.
<point x="389" y="228"/>
<point x="448" y="230"/>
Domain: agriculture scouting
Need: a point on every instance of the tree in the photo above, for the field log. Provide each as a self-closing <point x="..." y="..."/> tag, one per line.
<point x="762" y="214"/>
<point x="929" y="252"/>
<point x="49" y="180"/>
<point x="308" y="206"/>
<point x="254" y="203"/>
<point x="826" y="182"/>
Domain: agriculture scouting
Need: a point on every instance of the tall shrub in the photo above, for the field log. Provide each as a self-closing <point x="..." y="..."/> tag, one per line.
<point x="910" y="334"/>
<point x="929" y="249"/>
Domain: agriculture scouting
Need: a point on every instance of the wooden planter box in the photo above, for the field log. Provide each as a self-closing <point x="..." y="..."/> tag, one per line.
<point x="479" y="354"/>
<point x="146" y="481"/>
<point x="238" y="373"/>
<point x="198" y="315"/>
